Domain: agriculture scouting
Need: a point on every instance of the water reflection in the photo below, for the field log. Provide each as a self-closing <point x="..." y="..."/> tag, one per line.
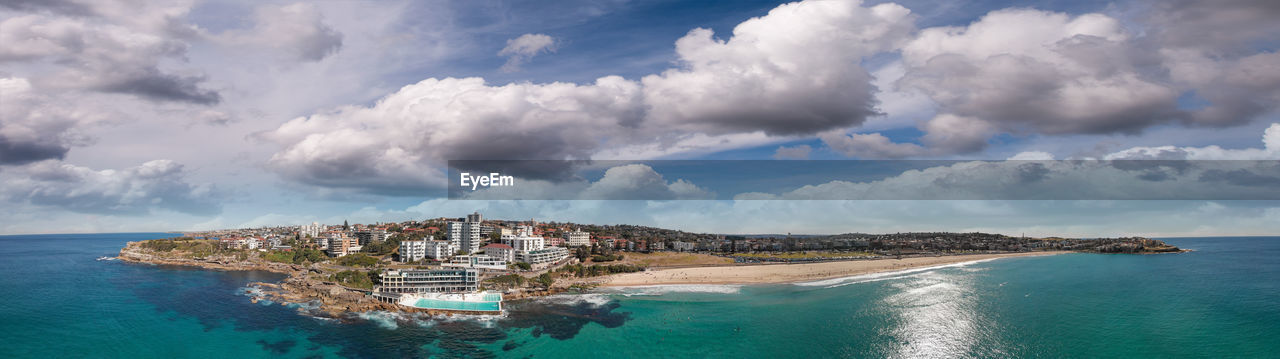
<point x="938" y="315"/>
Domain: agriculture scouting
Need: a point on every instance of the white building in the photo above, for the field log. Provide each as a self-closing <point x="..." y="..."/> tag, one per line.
<point x="577" y="238"/>
<point x="543" y="258"/>
<point x="466" y="235"/>
<point x="440" y="250"/>
<point x="476" y="261"/>
<point x="683" y="246"/>
<point x="524" y="240"/>
<point x="499" y="250"/>
<point x="312" y="230"/>
<point x="413" y="251"/>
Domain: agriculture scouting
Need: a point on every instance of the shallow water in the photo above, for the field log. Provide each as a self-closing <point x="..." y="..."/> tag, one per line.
<point x="1221" y="300"/>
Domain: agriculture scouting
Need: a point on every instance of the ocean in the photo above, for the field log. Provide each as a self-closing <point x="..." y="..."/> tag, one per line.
<point x="58" y="300"/>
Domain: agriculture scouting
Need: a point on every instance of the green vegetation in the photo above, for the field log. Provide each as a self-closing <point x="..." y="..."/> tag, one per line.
<point x="598" y="269"/>
<point x="297" y="256"/>
<point x="546" y="280"/>
<point x="522" y="265"/>
<point x="198" y="248"/>
<point x="357" y="260"/>
<point x="354" y="279"/>
<point x="606" y="257"/>
<point x="510" y="280"/>
<point x="381" y="247"/>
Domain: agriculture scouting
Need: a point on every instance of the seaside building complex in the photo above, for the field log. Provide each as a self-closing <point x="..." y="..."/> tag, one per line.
<point x="467" y="235"/>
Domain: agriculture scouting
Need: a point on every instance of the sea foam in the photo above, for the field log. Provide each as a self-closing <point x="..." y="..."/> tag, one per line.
<point x="875" y="277"/>
<point x="385" y="320"/>
<point x="652" y="290"/>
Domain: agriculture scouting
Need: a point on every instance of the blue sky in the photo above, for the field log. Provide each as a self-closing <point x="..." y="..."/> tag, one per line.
<point x="201" y="114"/>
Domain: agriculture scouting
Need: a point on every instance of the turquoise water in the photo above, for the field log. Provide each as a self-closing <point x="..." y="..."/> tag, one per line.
<point x="1223" y="300"/>
<point x="457" y="305"/>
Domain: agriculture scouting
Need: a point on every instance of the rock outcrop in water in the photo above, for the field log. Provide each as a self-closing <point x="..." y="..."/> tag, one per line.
<point x="302" y="286"/>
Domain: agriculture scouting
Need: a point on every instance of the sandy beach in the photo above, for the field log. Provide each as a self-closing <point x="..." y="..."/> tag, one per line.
<point x="787" y="273"/>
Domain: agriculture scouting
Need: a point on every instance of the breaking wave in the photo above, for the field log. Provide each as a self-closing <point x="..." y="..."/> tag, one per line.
<point x="652" y="290"/>
<point x="593" y="299"/>
<point x="876" y="277"/>
<point x="385" y="320"/>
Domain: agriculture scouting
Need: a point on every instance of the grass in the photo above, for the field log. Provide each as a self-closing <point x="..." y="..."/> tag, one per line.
<point x="667" y="259"/>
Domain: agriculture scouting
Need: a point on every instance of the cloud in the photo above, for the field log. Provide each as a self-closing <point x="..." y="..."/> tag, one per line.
<point x="154" y="185"/>
<point x="870" y="146"/>
<point x="519" y="50"/>
<point x="1055" y="180"/>
<point x="116" y="48"/>
<point x="1222" y="27"/>
<point x="69" y="7"/>
<point x="399" y="141"/>
<point x="1270" y="150"/>
<point x="641" y="182"/>
<point x="766" y="79"/>
<point x="793" y="71"/>
<point x="1135" y="173"/>
<point x="35" y="127"/>
<point x="1030" y="71"/>
<point x="800" y="152"/>
<point x="623" y="182"/>
<point x="296" y="30"/>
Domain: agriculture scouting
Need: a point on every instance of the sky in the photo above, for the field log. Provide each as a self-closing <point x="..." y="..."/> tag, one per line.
<point x="120" y="116"/>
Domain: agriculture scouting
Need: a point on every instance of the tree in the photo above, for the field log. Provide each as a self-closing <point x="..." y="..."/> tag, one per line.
<point x="522" y="265"/>
<point x="344" y="225"/>
<point x="546" y="280"/>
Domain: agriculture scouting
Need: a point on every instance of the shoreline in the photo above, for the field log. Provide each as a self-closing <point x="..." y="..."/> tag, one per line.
<point x="794" y="272"/>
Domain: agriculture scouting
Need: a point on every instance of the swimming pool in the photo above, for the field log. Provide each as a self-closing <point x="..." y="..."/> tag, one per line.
<point x="458" y="305"/>
<point x="479" y="302"/>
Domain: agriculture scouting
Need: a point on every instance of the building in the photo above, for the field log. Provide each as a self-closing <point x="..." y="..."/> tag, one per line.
<point x="440" y="250"/>
<point x="467" y="235"/>
<point x="683" y="246"/>
<point x="339" y="247"/>
<point x="499" y="250"/>
<point x="524" y="240"/>
<point x="428" y="280"/>
<point x="312" y="230"/>
<point x="656" y="246"/>
<point x="577" y="238"/>
<point x="413" y="251"/>
<point x="542" y="258"/>
<point x="365" y="236"/>
<point x="481" y="261"/>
